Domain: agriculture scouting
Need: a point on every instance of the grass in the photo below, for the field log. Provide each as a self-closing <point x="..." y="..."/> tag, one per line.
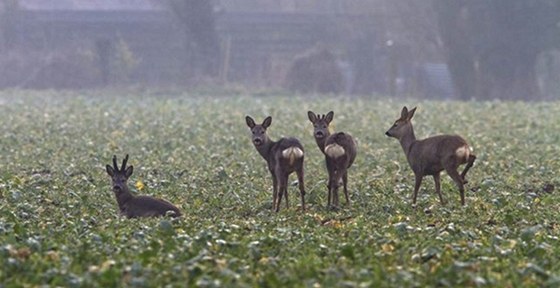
<point x="59" y="223"/>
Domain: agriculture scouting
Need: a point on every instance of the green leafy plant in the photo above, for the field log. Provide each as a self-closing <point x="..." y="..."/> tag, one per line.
<point x="59" y="222"/>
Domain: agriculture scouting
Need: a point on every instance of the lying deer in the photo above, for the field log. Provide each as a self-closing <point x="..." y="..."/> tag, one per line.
<point x="136" y="206"/>
<point x="283" y="157"/>
<point x="432" y="155"/>
<point x="340" y="152"/>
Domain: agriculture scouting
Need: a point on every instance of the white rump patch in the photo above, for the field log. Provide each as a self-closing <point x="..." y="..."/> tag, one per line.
<point x="463" y="152"/>
<point x="334" y="150"/>
<point x="292" y="154"/>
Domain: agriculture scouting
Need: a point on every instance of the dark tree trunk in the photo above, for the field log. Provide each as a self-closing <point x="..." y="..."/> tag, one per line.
<point x="508" y="76"/>
<point x="197" y="17"/>
<point x="493" y="45"/>
<point x="460" y="57"/>
<point x="8" y="17"/>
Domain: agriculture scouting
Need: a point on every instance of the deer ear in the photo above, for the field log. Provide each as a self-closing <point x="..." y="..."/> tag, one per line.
<point x="404" y="113"/>
<point x="329" y="117"/>
<point x="250" y="122"/>
<point x="411" y="113"/>
<point x="267" y="121"/>
<point x="312" y="117"/>
<point x="110" y="170"/>
<point x="128" y="171"/>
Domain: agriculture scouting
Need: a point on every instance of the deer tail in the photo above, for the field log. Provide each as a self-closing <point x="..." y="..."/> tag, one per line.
<point x="463" y="152"/>
<point x="292" y="153"/>
<point x="334" y="150"/>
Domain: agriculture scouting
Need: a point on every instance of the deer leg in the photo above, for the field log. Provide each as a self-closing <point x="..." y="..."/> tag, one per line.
<point x="345" y="183"/>
<point x="335" y="184"/>
<point x="418" y="181"/>
<point x="286" y="191"/>
<point x="274" y="191"/>
<point x="470" y="163"/>
<point x="286" y="196"/>
<point x="332" y="190"/>
<point x="282" y="189"/>
<point x="452" y="172"/>
<point x="438" y="187"/>
<point x="328" y="195"/>
<point x="280" y="194"/>
<point x="330" y="185"/>
<point x="301" y="187"/>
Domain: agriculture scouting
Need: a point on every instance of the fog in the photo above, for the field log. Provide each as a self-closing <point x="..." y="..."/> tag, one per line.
<point x="438" y="49"/>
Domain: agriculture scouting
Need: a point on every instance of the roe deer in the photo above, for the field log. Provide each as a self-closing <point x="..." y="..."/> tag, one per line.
<point x="432" y="155"/>
<point x="340" y="152"/>
<point x="136" y="206"/>
<point x="283" y="157"/>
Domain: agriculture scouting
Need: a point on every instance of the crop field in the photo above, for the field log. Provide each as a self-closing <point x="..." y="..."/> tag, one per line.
<point x="60" y="226"/>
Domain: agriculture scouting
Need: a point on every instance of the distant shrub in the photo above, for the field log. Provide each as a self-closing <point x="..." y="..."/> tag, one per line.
<point x="124" y="62"/>
<point x="315" y="71"/>
<point x="71" y="68"/>
<point x="60" y="69"/>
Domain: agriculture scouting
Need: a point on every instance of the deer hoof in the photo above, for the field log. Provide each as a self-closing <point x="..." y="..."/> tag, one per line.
<point x="333" y="208"/>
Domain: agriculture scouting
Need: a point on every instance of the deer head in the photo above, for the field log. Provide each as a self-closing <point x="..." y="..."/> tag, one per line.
<point x="320" y="124"/>
<point x="119" y="176"/>
<point x="402" y="126"/>
<point x="259" y="130"/>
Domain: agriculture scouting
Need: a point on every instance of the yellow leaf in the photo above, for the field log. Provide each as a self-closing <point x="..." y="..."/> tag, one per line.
<point x="139" y="185"/>
<point x="387" y="248"/>
<point x="53" y="255"/>
<point x="107" y="264"/>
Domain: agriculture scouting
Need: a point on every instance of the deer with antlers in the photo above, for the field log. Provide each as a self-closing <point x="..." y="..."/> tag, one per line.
<point x="340" y="152"/>
<point x="136" y="206"/>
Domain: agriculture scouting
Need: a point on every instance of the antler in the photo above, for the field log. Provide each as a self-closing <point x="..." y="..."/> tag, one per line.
<point x="123" y="166"/>
<point x="124" y="162"/>
<point x="115" y="163"/>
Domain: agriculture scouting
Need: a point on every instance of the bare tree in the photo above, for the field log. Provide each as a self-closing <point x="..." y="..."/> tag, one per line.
<point x="493" y="46"/>
<point x="8" y="14"/>
<point x="197" y="20"/>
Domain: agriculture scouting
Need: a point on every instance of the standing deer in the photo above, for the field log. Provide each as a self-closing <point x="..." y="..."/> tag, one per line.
<point x="432" y="155"/>
<point x="283" y="157"/>
<point x="136" y="206"/>
<point x="340" y="152"/>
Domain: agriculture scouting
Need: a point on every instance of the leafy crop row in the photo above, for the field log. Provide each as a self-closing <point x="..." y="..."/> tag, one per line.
<point x="59" y="223"/>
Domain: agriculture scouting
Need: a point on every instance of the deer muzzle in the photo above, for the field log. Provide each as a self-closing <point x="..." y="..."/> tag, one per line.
<point x="319" y="134"/>
<point x="257" y="141"/>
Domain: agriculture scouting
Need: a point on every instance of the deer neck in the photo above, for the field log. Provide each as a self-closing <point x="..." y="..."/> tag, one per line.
<point x="124" y="196"/>
<point x="407" y="140"/>
<point x="265" y="149"/>
<point x="321" y="141"/>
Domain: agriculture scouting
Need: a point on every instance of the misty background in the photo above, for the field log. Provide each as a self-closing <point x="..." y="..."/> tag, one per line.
<point x="437" y="49"/>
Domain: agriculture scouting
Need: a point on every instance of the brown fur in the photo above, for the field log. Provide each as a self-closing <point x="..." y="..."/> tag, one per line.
<point x="432" y="155"/>
<point x="136" y="206"/>
<point x="283" y="157"/>
<point x="340" y="152"/>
